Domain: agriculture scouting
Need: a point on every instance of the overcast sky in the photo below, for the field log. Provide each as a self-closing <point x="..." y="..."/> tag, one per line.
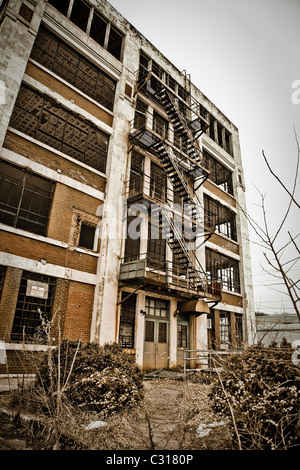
<point x="244" y="55"/>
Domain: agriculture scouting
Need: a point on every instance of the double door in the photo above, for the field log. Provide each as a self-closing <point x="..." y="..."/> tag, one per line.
<point x="156" y="347"/>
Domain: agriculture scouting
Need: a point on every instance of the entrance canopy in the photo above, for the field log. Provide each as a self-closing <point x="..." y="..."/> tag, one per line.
<point x="194" y="306"/>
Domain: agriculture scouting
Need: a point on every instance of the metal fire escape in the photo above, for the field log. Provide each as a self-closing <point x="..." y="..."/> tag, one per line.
<point x="183" y="170"/>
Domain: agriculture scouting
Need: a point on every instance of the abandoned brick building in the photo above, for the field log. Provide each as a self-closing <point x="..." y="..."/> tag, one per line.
<point x="100" y="133"/>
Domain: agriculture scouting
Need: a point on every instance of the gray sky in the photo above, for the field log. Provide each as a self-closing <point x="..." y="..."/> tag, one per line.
<point x="244" y="55"/>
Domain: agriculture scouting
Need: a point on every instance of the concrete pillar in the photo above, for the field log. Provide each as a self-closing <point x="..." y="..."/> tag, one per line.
<point x="17" y="36"/>
<point x="139" y="328"/>
<point x="173" y="335"/>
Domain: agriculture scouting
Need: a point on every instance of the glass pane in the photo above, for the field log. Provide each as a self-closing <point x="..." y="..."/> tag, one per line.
<point x="149" y="331"/>
<point x="162" y="332"/>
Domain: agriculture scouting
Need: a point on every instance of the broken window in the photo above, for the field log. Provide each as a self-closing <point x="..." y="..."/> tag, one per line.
<point x="51" y="123"/>
<point x="222" y="268"/>
<point x="80" y="14"/>
<point x="34" y="306"/>
<point x="127" y="320"/>
<point x="87" y="236"/>
<point x="220" y="134"/>
<point x="98" y="29"/>
<point x="221" y="219"/>
<point x="218" y="173"/>
<point x="63" y="60"/>
<point x="115" y="43"/>
<point x="228" y="142"/>
<point x="25" y="199"/>
<point x="60" y="5"/>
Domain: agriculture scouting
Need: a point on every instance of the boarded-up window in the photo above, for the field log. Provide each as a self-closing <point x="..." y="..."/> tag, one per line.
<point x="47" y="121"/>
<point x="56" y="55"/>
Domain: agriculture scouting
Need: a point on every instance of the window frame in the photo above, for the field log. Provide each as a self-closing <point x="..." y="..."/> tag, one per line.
<point x="53" y="131"/>
<point x="11" y="174"/>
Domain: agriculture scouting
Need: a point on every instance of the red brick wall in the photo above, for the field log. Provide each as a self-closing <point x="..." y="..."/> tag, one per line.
<point x="37" y="250"/>
<point x="78" y="317"/>
<point x="38" y="154"/>
<point x="8" y="301"/>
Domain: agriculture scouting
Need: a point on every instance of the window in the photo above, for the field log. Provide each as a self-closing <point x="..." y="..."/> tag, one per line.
<point x="63" y="60"/>
<point x="156" y="249"/>
<point x="225" y="332"/>
<point x="220" y="134"/>
<point x="115" y="43"/>
<point x="221" y="219"/>
<point x="211" y="331"/>
<point x="157" y="307"/>
<point x="43" y="119"/>
<point x="25" y="199"/>
<point x="239" y="336"/>
<point x="87" y="236"/>
<point x="136" y="173"/>
<point x="160" y="125"/>
<point x="158" y="183"/>
<point x="60" y="5"/>
<point x="34" y="305"/>
<point x="26" y="12"/>
<point x="127" y="320"/>
<point x="224" y="269"/>
<point x="98" y="29"/>
<point x="218" y="173"/>
<point x="140" y="114"/>
<point x="132" y="245"/>
<point x="80" y="14"/>
<point x="182" y="336"/>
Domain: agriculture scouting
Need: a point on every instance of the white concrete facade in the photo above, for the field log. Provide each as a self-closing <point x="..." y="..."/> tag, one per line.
<point x="18" y="39"/>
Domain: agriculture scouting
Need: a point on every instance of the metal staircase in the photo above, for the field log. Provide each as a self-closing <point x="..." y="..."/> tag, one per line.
<point x="182" y="172"/>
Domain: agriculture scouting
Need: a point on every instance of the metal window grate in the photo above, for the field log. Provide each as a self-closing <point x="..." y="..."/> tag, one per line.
<point x="63" y="60"/>
<point x="32" y="310"/>
<point x="42" y="118"/>
<point x="127" y="320"/>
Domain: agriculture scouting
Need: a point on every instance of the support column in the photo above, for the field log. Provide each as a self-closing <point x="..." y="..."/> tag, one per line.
<point x="139" y="329"/>
<point x="173" y="335"/>
<point x="18" y="32"/>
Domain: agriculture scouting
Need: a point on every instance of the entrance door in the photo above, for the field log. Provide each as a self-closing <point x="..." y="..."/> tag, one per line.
<point x="182" y="341"/>
<point x="156" y="346"/>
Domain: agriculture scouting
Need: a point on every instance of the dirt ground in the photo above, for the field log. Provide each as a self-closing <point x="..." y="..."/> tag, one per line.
<point x="168" y="419"/>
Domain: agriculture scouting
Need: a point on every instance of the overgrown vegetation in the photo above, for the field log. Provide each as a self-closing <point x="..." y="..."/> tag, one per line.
<point x="97" y="378"/>
<point x="258" y="392"/>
